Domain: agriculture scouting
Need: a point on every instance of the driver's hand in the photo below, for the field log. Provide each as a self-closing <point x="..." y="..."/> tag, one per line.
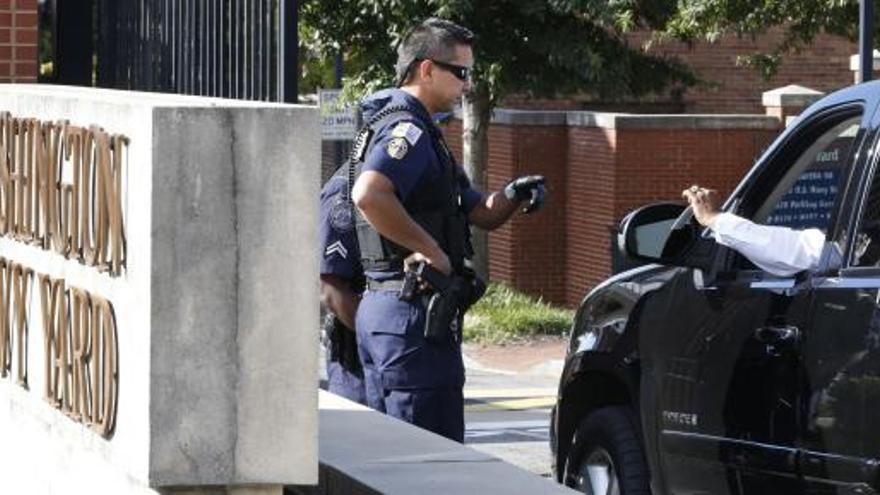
<point x="704" y="203"/>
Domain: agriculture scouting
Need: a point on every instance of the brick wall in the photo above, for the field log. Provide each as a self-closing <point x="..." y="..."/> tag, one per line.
<point x="18" y="41"/>
<point x="534" y="256"/>
<point x="590" y="208"/>
<point x="514" y="258"/>
<point x="597" y="172"/>
<point x="595" y="175"/>
<point x="729" y="88"/>
<point x="614" y="171"/>
<point x="824" y="66"/>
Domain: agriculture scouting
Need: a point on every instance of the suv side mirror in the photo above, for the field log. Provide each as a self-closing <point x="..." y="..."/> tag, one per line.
<point x="665" y="233"/>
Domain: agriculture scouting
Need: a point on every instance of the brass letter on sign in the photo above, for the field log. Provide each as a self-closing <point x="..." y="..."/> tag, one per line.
<point x="54" y="305"/>
<point x="61" y="189"/>
<point x="82" y="373"/>
<point x="14" y="289"/>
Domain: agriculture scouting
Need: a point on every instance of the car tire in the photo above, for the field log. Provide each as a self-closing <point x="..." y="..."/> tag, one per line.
<point x="606" y="457"/>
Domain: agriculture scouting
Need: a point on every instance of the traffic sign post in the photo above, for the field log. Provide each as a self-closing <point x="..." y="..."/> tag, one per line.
<point x="337" y="123"/>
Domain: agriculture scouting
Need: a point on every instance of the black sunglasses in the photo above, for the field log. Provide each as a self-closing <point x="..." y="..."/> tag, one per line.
<point x="460" y="72"/>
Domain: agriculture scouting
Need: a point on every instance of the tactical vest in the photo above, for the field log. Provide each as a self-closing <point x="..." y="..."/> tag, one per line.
<point x="436" y="207"/>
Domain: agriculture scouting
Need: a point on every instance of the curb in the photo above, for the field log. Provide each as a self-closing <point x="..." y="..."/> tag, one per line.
<point x="552" y="367"/>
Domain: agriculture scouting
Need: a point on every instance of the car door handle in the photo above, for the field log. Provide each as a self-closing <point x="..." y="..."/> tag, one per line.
<point x="777" y="334"/>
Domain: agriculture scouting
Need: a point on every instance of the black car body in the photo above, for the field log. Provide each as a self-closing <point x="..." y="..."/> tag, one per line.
<point x="699" y="373"/>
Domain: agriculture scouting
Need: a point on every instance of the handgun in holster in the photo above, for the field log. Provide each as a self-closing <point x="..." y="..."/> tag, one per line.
<point x="453" y="295"/>
<point x="341" y="344"/>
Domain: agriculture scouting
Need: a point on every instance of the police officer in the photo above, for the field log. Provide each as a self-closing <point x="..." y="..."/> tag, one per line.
<point x="416" y="204"/>
<point x="342" y="282"/>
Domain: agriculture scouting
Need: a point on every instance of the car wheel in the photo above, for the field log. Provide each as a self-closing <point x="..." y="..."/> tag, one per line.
<point x="606" y="457"/>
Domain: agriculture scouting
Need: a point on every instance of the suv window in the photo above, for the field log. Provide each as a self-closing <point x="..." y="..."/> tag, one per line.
<point x="805" y="196"/>
<point x="866" y="251"/>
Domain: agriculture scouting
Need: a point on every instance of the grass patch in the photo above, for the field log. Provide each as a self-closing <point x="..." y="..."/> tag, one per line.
<point x="504" y="315"/>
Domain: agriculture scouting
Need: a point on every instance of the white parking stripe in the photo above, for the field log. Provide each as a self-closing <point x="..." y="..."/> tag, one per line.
<point x="506" y="425"/>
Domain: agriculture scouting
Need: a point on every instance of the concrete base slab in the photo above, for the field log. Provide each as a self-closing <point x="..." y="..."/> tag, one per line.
<point x="362" y="451"/>
<point x="231" y="490"/>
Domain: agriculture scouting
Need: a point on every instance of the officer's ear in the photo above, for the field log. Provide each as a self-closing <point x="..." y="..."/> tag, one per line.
<point x="425" y="70"/>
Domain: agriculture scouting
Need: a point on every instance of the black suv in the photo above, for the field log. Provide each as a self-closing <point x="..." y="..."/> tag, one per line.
<point x="699" y="373"/>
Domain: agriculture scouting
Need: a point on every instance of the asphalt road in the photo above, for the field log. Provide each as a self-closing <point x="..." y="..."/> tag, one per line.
<point x="507" y="415"/>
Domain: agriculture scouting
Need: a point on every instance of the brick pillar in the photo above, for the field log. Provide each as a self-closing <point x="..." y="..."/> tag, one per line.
<point x="618" y="162"/>
<point x="789" y="101"/>
<point x="18" y="41"/>
<point x="855" y="65"/>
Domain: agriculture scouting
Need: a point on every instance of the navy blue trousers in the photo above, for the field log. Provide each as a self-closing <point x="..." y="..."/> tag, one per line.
<point x="406" y="376"/>
<point x="343" y="382"/>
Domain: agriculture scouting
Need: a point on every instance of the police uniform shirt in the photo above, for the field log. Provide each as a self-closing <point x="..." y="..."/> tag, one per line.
<point x="339" y="247"/>
<point x="403" y="152"/>
<point x="778" y="250"/>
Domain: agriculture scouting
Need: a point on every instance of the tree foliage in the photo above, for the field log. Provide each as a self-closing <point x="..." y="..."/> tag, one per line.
<point x="800" y="21"/>
<point x="534" y="47"/>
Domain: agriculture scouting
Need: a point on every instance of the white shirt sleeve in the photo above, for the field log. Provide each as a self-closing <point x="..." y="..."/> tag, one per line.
<point x="778" y="250"/>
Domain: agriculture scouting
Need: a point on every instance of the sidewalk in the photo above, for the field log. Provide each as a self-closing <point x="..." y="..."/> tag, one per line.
<point x="508" y="394"/>
<point x="513" y="377"/>
<point x="539" y="357"/>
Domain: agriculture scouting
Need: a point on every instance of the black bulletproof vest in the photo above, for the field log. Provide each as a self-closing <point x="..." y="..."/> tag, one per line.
<point x="435" y="206"/>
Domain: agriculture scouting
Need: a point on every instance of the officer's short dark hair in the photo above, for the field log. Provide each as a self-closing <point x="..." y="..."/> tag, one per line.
<point x="436" y="39"/>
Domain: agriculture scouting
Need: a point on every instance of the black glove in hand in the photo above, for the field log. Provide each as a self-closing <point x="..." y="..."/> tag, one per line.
<point x="529" y="187"/>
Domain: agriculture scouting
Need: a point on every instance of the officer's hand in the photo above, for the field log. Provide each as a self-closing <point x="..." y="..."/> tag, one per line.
<point x="440" y="262"/>
<point x="529" y="187"/>
<point x="704" y="203"/>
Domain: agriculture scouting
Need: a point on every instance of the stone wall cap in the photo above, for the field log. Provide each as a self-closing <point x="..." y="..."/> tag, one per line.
<point x="508" y="116"/>
<point x="855" y="63"/>
<point x="612" y="120"/>
<point x="670" y="121"/>
<point x="401" y="457"/>
<point x="791" y="96"/>
<point x="137" y="98"/>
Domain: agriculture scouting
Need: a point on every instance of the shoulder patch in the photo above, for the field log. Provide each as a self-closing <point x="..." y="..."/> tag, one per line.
<point x="408" y="131"/>
<point x="340" y="215"/>
<point x="397" y="148"/>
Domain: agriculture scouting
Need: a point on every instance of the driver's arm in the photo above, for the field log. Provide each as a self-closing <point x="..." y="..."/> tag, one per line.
<point x="778" y="250"/>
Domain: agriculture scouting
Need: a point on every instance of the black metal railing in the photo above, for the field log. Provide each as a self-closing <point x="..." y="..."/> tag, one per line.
<point x="227" y="48"/>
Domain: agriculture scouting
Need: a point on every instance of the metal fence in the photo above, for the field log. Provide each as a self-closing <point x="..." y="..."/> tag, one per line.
<point x="228" y="48"/>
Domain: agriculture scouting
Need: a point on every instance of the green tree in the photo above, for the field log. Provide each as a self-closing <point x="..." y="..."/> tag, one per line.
<point x="534" y="47"/>
<point x="800" y="20"/>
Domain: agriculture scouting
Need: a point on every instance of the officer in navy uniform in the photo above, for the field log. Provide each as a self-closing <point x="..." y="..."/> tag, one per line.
<point x="414" y="203"/>
<point x="342" y="282"/>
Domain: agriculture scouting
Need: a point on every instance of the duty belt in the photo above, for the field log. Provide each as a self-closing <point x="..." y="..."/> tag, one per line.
<point x="392" y="284"/>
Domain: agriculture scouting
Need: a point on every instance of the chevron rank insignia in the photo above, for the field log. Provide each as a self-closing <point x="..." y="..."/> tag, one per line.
<point x="397" y="148"/>
<point x="336" y="248"/>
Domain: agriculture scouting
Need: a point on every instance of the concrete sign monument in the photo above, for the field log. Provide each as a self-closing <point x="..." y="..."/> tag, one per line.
<point x="156" y="252"/>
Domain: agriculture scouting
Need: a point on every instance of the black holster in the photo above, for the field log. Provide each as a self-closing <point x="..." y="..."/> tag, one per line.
<point x="446" y="307"/>
<point x="341" y="344"/>
<point x="441" y="317"/>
